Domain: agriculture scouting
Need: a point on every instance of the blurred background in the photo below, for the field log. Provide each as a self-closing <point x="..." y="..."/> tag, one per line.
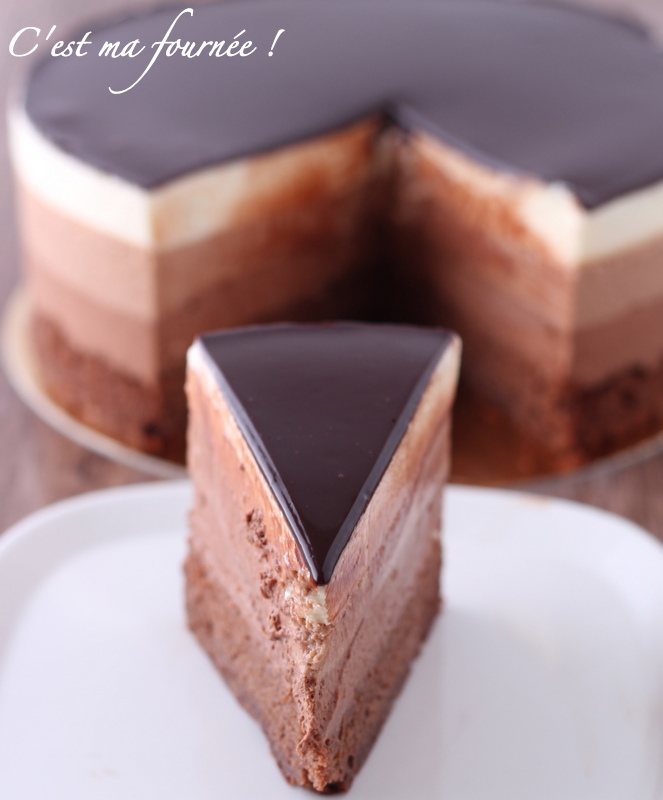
<point x="38" y="466"/>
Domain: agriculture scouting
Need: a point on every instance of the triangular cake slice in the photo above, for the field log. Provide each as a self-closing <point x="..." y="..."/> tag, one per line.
<point x="318" y="455"/>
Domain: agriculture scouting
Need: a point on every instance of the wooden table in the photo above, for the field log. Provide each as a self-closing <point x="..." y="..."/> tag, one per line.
<point x="38" y="466"/>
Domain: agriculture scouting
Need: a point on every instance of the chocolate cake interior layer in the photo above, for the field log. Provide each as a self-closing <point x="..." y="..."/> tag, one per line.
<point x="256" y="678"/>
<point x="306" y="397"/>
<point x="317" y="665"/>
<point x="149" y="417"/>
<point x="495" y="80"/>
<point x="534" y="342"/>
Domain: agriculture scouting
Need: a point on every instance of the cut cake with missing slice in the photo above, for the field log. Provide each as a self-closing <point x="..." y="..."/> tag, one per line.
<point x="318" y="455"/>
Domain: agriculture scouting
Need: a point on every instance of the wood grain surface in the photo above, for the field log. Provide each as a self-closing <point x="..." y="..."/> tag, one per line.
<point x="38" y="466"/>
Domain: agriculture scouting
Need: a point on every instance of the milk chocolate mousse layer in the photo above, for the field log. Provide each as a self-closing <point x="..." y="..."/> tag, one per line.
<point x="504" y="160"/>
<point x="318" y="456"/>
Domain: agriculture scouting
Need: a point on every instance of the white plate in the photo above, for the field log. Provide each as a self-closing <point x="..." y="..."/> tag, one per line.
<point x="543" y="678"/>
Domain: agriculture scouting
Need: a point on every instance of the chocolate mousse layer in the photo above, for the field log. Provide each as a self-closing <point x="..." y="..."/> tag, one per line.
<point x="318" y="653"/>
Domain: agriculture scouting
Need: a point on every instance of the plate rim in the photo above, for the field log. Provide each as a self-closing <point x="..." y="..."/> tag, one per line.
<point x="83" y="502"/>
<point x="80" y="503"/>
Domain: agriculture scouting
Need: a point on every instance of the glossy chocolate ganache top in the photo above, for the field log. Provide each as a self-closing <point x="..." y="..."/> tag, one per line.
<point x="564" y="94"/>
<point x="324" y="408"/>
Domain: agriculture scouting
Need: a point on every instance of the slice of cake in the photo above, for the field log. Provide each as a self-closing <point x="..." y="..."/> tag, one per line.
<point x="318" y="456"/>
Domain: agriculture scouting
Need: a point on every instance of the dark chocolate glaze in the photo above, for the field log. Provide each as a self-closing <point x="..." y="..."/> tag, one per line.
<point x="324" y="408"/>
<point x="559" y="93"/>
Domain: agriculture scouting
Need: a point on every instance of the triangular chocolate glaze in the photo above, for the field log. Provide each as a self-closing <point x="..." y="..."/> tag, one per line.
<point x="324" y="408"/>
<point x="548" y="90"/>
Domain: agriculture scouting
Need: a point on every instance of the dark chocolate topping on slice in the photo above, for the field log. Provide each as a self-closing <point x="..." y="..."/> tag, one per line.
<point x="563" y="94"/>
<point x="323" y="409"/>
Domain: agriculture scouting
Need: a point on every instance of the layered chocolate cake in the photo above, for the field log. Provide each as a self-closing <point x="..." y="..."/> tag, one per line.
<point x="496" y="168"/>
<point x="318" y="456"/>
